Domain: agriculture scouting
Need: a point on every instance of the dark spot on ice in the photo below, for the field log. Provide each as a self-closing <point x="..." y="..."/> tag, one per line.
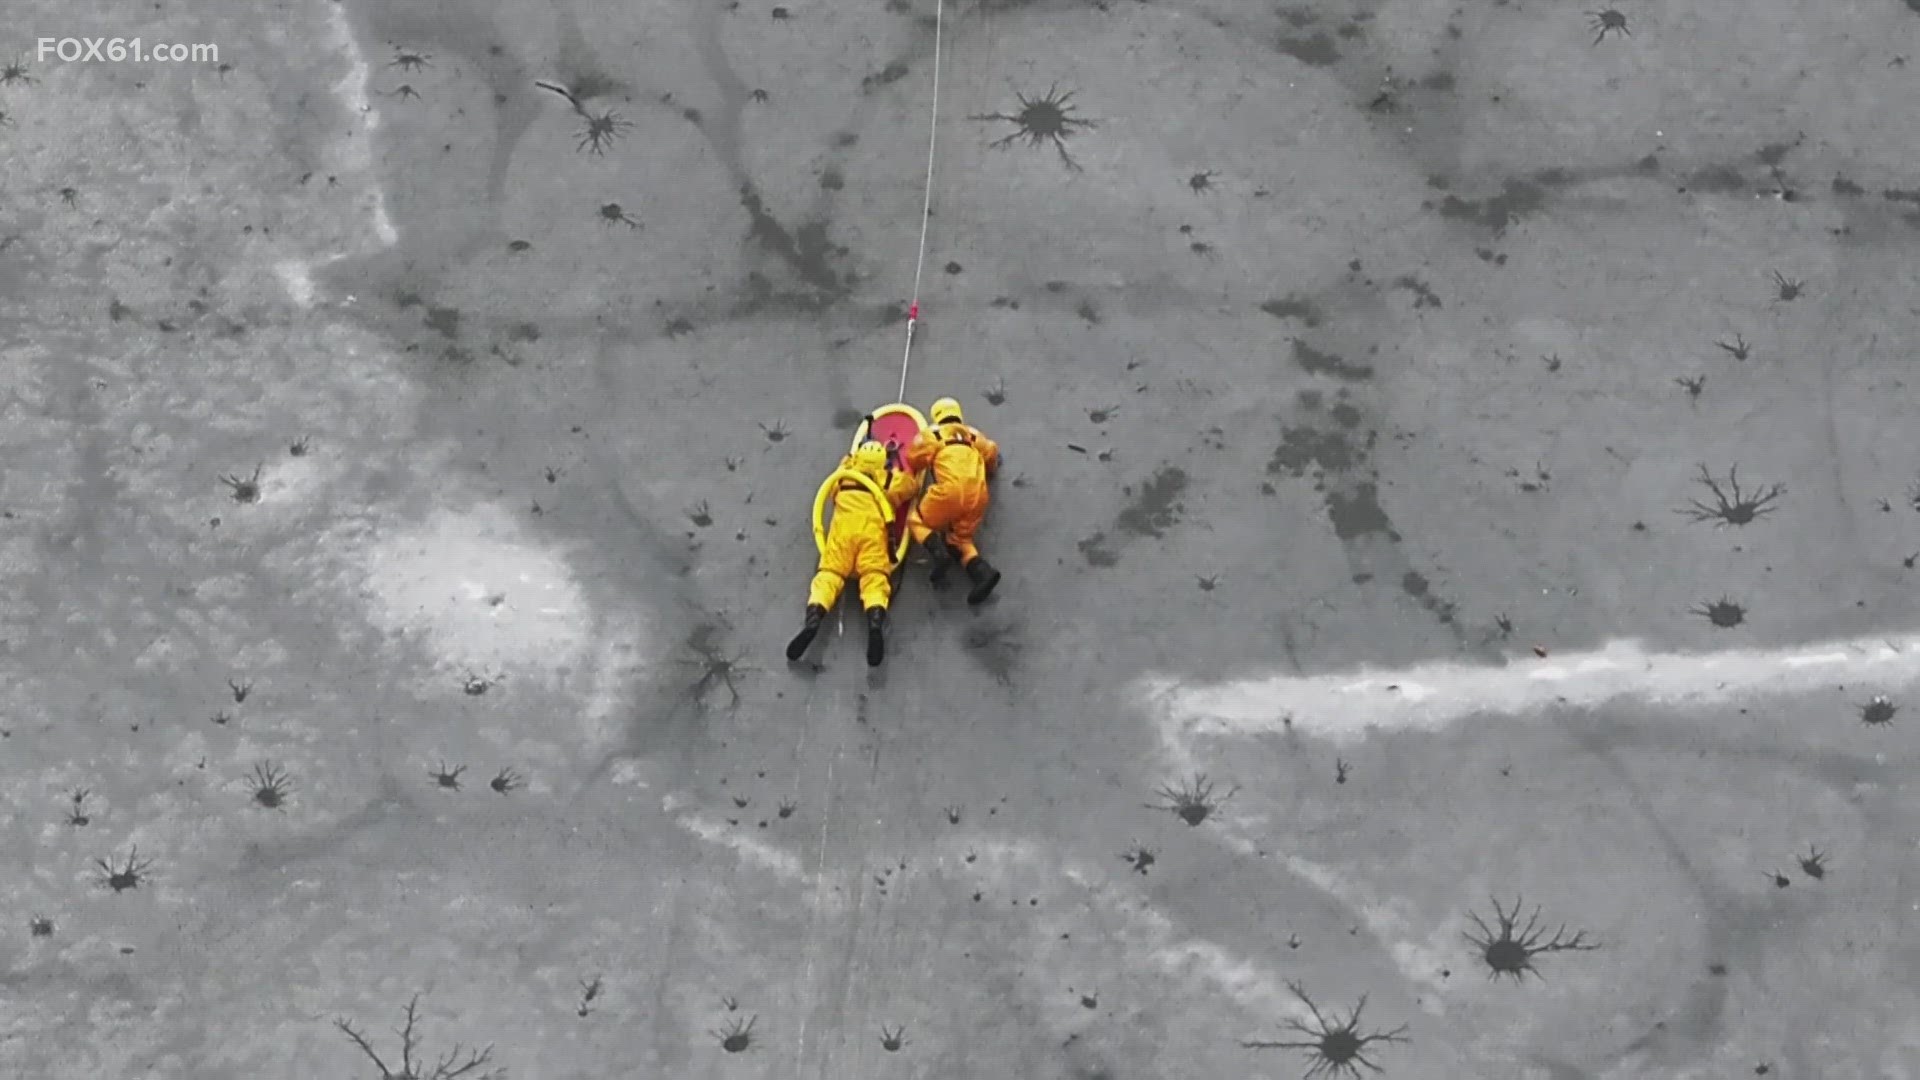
<point x="832" y="179"/>
<point x="1359" y="514"/>
<point x="1423" y="296"/>
<point x="1517" y="199"/>
<point x="1316" y="49"/>
<point x="1439" y="80"/>
<point x="1157" y="507"/>
<point x="1723" y="613"/>
<point x="444" y="320"/>
<point x="1293" y="307"/>
<point x="1878" y="712"/>
<point x="805" y="250"/>
<point x="886" y="76"/>
<point x="1303" y="448"/>
<point x="1415" y="583"/>
<point x="1345" y="414"/>
<point x="1315" y="362"/>
<point x="1844" y="186"/>
<point x="1095" y="551"/>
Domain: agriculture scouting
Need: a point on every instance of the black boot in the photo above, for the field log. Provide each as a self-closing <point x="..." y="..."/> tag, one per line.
<point x="940" y="556"/>
<point x="876" y="636"/>
<point x="984" y="578"/>
<point x="797" y="648"/>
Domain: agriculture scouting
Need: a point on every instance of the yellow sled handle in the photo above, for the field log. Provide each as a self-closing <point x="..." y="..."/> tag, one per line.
<point x="827" y="488"/>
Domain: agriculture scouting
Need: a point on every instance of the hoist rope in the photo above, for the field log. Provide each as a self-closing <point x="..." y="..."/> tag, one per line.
<point x="926" y="205"/>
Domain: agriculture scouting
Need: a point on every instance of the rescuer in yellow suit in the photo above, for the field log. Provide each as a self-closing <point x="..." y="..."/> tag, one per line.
<point x="963" y="459"/>
<point x="857" y="544"/>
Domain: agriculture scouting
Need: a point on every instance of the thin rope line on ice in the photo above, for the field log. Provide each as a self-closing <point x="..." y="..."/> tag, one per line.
<point x="913" y="317"/>
<point x="926" y="205"/>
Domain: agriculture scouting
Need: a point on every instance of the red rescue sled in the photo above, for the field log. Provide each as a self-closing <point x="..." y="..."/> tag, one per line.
<point x="896" y="425"/>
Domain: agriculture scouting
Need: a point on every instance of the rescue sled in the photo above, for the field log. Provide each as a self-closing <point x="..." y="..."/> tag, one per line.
<point x="895" y="425"/>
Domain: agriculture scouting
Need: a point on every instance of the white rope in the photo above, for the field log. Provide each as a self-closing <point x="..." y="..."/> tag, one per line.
<point x="906" y="358"/>
<point x="926" y="205"/>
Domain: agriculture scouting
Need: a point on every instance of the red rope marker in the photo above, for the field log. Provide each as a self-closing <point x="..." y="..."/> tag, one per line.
<point x="913" y="320"/>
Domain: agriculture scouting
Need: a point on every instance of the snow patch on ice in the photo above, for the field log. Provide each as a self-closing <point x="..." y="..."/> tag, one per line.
<point x="485" y="597"/>
<point x="356" y="150"/>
